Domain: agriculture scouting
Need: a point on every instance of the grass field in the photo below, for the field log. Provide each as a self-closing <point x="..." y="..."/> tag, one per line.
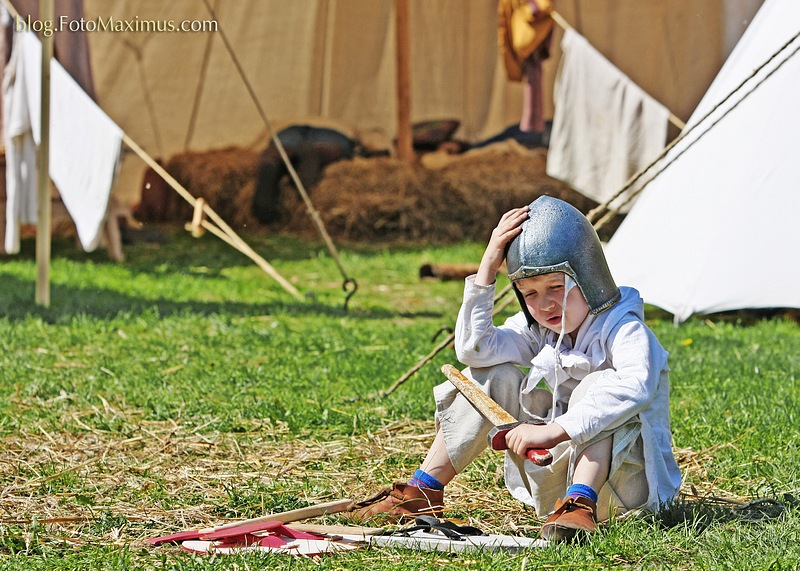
<point x="185" y="388"/>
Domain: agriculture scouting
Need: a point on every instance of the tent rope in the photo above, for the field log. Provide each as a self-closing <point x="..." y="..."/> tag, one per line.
<point x="498" y="307"/>
<point x="349" y="285"/>
<point x="199" y="91"/>
<point x="607" y="212"/>
<point x="148" y="98"/>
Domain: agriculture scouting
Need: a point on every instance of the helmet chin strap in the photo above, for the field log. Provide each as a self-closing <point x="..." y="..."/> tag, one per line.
<point x="569" y="283"/>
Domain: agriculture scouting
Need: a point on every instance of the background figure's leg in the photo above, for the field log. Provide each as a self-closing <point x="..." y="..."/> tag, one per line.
<point x="266" y="198"/>
<point x="533" y="98"/>
<point x="271" y="169"/>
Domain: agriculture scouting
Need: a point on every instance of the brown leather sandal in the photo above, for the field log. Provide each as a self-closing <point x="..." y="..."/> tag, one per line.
<point x="572" y="515"/>
<point x="399" y="504"/>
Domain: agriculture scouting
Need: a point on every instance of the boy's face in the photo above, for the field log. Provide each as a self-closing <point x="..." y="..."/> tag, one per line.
<point x="544" y="296"/>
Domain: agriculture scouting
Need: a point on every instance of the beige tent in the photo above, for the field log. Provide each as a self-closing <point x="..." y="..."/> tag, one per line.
<point x="162" y="73"/>
<point x="336" y="59"/>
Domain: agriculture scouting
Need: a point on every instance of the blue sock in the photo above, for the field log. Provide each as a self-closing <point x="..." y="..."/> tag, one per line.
<point x="582" y="491"/>
<point x="422" y="479"/>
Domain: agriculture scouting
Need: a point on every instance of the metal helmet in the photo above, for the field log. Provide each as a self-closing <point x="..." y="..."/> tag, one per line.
<point x="556" y="237"/>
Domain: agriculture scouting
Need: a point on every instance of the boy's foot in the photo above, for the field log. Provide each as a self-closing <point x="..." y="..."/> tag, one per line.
<point x="398" y="504"/>
<point x="572" y="515"/>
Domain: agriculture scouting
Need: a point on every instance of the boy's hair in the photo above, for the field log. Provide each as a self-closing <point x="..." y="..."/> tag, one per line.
<point x="556" y="237"/>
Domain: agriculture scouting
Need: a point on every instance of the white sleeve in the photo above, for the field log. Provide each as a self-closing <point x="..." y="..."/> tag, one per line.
<point x="479" y="343"/>
<point x="623" y="391"/>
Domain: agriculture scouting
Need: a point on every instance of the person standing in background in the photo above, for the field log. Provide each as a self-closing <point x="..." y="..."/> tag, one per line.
<point x="524" y="34"/>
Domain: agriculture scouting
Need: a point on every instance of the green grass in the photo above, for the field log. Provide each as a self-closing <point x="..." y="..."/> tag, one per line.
<point x="185" y="386"/>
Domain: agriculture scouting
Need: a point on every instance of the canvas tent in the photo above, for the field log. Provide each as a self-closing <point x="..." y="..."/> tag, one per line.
<point x="717" y="228"/>
<point x="336" y="59"/>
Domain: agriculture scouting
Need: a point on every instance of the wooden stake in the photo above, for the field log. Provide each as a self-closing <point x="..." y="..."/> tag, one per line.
<point x="196" y="227"/>
<point x="44" y="206"/>
<point x="405" y="147"/>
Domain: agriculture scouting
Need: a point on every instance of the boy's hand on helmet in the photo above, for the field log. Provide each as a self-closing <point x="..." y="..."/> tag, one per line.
<point x="507" y="229"/>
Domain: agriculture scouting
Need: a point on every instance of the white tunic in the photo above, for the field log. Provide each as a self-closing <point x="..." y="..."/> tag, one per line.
<point x="632" y="381"/>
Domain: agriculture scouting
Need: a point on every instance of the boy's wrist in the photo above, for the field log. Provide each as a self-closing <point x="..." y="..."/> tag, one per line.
<point x="485" y="278"/>
<point x="557" y="433"/>
<point x="487" y="272"/>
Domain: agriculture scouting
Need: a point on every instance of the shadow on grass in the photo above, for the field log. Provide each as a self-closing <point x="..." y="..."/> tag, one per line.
<point x="17" y="302"/>
<point x="700" y="513"/>
<point x="181" y="255"/>
<point x="181" y="251"/>
<point x="215" y="254"/>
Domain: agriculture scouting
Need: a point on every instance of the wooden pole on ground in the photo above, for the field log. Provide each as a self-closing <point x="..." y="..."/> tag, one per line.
<point x="44" y="206"/>
<point x="405" y="147"/>
<point x="221" y="230"/>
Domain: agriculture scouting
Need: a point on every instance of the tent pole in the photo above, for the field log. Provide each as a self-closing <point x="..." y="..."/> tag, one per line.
<point x="44" y="206"/>
<point x="405" y="147"/>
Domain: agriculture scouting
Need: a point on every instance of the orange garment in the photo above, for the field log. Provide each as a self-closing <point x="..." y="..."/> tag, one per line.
<point x="523" y="27"/>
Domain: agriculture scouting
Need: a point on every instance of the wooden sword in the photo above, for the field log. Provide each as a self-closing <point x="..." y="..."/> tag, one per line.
<point x="503" y="421"/>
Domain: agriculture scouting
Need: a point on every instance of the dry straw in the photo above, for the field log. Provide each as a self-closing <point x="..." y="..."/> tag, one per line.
<point x="91" y="486"/>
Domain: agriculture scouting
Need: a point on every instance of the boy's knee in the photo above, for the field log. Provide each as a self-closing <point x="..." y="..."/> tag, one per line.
<point x="539" y="402"/>
<point x="501" y="382"/>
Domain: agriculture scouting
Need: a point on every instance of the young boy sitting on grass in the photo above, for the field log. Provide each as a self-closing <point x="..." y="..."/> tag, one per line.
<point x="604" y="413"/>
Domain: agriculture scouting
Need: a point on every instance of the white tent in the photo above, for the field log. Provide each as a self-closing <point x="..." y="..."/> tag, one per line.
<point x="717" y="229"/>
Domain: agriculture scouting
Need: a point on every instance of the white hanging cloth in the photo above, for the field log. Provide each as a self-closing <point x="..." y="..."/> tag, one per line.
<point x="605" y="127"/>
<point x="85" y="144"/>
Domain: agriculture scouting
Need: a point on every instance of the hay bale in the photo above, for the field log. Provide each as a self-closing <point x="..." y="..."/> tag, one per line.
<point x="441" y="198"/>
<point x="367" y="199"/>
<point x="224" y="178"/>
<point x="388" y="200"/>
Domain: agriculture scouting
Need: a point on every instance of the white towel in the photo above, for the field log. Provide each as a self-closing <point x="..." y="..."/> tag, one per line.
<point x="20" y="150"/>
<point x="605" y="127"/>
<point x="85" y="144"/>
